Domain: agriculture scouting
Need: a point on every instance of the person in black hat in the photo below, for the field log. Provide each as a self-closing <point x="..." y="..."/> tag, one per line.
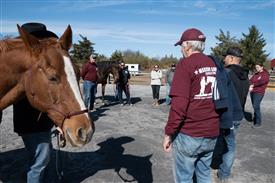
<point x="239" y="77"/>
<point x="168" y="82"/>
<point x="34" y="130"/>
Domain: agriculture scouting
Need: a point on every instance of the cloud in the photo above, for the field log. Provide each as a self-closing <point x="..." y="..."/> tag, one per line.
<point x="81" y="5"/>
<point x="122" y="33"/>
<point x="199" y="4"/>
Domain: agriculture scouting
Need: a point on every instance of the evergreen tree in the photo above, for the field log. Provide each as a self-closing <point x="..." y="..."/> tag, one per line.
<point x="167" y="61"/>
<point x="82" y="50"/>
<point x="101" y="57"/>
<point x="225" y="42"/>
<point x="117" y="56"/>
<point x="252" y="45"/>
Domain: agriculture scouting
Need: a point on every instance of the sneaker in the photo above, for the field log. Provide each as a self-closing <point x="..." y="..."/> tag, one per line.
<point x="121" y="104"/>
<point x="257" y="126"/>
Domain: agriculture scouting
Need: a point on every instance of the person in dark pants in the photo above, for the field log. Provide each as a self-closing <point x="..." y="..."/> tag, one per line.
<point x="123" y="84"/>
<point x="258" y="84"/>
<point x="34" y="129"/>
<point x="168" y="82"/>
<point x="156" y="76"/>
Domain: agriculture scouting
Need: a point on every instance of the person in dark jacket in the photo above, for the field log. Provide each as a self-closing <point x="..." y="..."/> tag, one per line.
<point x="34" y="129"/>
<point x="123" y="84"/>
<point x="193" y="123"/>
<point x="89" y="75"/>
<point x="239" y="77"/>
<point x="258" y="84"/>
<point x="168" y="82"/>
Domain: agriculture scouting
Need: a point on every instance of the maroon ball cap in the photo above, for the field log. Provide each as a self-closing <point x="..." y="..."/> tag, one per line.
<point x="191" y="35"/>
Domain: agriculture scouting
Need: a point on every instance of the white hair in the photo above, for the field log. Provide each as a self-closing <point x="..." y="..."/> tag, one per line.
<point x="195" y="45"/>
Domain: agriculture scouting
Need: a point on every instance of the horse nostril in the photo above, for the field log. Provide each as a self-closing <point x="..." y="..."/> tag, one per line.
<point x="82" y="134"/>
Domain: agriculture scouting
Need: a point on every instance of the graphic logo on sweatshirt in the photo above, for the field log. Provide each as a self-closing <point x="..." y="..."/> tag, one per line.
<point x="207" y="79"/>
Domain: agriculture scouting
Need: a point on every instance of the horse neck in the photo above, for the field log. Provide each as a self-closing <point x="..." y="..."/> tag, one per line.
<point x="15" y="64"/>
<point x="103" y="75"/>
<point x="16" y="58"/>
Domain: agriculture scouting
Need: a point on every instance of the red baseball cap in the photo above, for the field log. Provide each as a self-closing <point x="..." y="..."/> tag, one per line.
<point x="191" y="35"/>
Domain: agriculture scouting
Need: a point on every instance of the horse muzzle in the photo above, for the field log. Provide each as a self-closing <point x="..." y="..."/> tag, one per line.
<point x="80" y="138"/>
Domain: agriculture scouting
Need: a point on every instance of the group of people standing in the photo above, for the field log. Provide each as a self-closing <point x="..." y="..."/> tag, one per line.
<point x="194" y="121"/>
<point x="193" y="124"/>
<point x="89" y="76"/>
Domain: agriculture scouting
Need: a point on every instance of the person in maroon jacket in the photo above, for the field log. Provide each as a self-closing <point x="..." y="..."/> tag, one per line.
<point x="193" y="124"/>
<point x="258" y="84"/>
<point x="89" y="75"/>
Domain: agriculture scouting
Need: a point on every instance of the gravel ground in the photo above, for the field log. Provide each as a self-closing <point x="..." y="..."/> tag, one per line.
<point x="127" y="146"/>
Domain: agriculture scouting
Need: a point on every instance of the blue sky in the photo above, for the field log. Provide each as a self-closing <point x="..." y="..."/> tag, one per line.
<point x="150" y="26"/>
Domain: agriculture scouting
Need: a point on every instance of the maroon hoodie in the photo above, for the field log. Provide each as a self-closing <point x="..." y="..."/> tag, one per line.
<point x="260" y="81"/>
<point x="89" y="72"/>
<point x="192" y="110"/>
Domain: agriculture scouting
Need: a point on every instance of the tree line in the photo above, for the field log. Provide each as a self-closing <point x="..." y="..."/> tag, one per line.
<point x="251" y="43"/>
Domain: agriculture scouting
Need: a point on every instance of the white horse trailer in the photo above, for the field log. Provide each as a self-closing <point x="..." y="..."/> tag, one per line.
<point x="134" y="69"/>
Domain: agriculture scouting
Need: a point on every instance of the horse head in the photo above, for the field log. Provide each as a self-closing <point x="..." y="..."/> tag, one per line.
<point x="51" y="85"/>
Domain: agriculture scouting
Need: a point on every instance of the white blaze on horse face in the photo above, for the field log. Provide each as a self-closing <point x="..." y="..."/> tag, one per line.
<point x="69" y="70"/>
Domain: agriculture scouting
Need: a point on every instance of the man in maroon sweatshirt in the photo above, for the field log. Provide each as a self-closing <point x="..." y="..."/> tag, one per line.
<point x="193" y="124"/>
<point x="89" y="75"/>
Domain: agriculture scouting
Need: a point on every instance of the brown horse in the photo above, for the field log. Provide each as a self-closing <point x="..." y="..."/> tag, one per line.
<point x="104" y="69"/>
<point x="42" y="71"/>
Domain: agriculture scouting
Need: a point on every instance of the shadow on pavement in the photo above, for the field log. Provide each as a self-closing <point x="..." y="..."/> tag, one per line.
<point x="78" y="166"/>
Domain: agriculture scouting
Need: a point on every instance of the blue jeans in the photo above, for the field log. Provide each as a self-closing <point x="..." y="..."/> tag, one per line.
<point x="256" y="100"/>
<point x="89" y="91"/>
<point x="167" y="98"/>
<point x="224" y="170"/>
<point x="38" y="146"/>
<point x="192" y="155"/>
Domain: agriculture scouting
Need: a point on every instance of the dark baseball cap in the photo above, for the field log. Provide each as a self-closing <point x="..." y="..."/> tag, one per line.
<point x="191" y="35"/>
<point x="234" y="51"/>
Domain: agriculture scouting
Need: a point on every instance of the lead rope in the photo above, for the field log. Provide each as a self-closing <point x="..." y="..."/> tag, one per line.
<point x="58" y="162"/>
<point x="59" y="172"/>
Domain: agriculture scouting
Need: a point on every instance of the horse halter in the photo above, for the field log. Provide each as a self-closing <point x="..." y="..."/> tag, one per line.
<point x="68" y="115"/>
<point x="65" y="115"/>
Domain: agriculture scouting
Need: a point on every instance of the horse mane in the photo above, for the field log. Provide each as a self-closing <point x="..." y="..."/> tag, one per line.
<point x="104" y="69"/>
<point x="106" y="64"/>
<point x="7" y="45"/>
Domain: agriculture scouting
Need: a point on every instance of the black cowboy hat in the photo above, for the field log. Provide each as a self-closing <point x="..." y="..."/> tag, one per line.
<point x="38" y="30"/>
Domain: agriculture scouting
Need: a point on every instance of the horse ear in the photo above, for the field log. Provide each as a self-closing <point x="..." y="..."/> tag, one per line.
<point x="32" y="43"/>
<point x="66" y="39"/>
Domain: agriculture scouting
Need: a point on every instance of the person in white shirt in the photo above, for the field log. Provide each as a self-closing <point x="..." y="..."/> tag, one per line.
<point x="156" y="76"/>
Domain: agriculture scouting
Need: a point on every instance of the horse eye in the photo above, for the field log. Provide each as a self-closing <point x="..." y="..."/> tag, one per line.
<point x="53" y="78"/>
